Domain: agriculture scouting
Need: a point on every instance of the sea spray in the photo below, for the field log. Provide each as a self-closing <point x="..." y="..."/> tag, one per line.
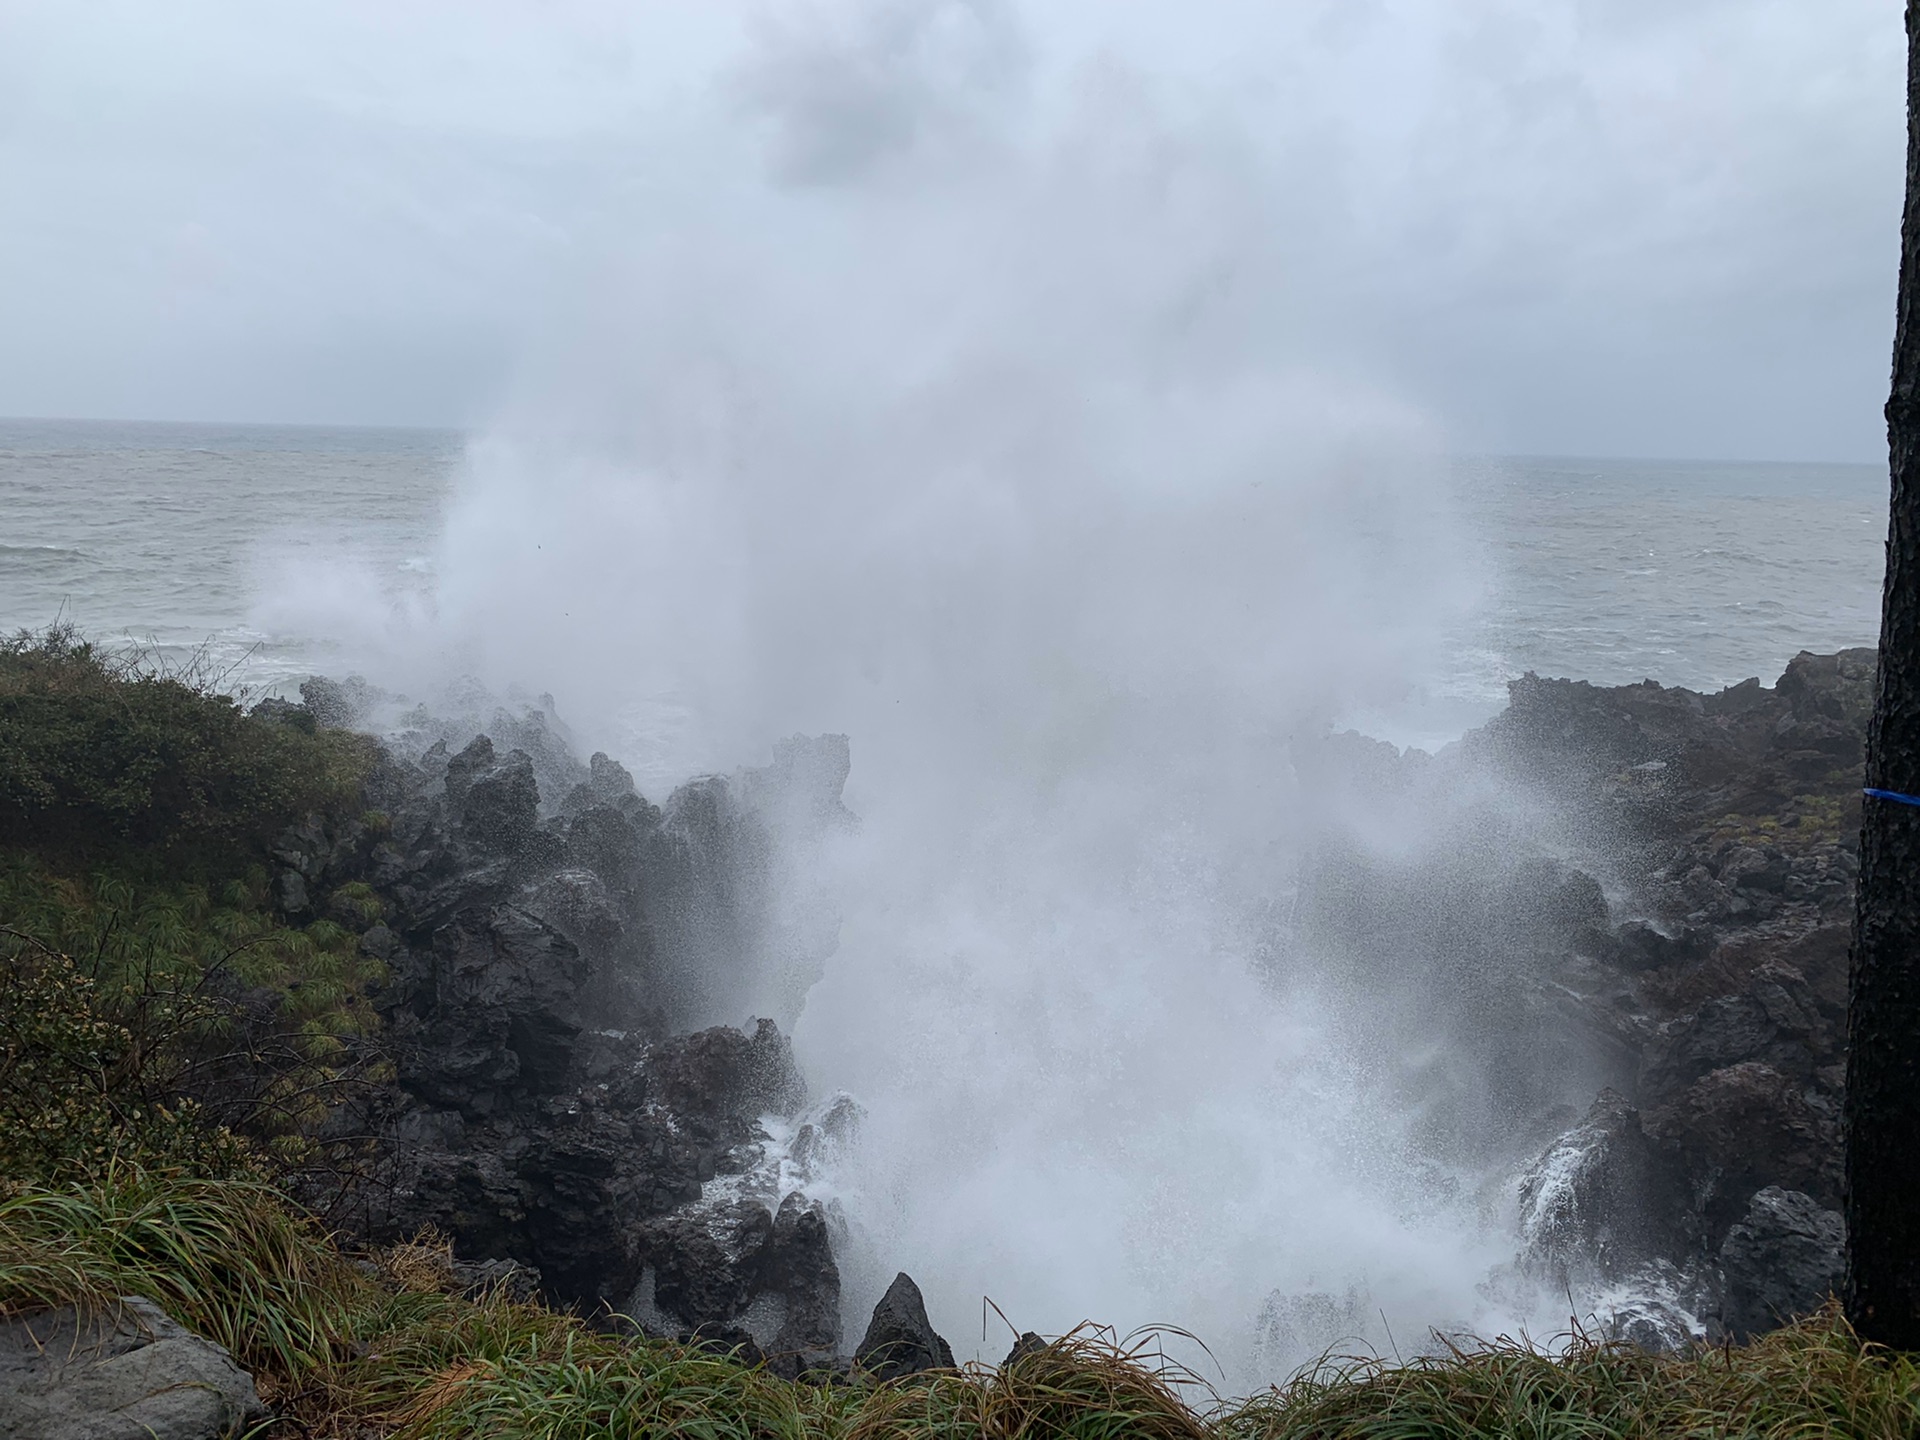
<point x="1012" y="469"/>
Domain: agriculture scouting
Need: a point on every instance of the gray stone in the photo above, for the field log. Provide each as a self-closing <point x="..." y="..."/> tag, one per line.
<point x="123" y="1373"/>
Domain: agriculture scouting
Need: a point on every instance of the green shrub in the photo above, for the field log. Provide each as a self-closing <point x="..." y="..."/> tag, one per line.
<point x="135" y="1017"/>
<point x="100" y="751"/>
<point x="69" y="1104"/>
<point x="154" y="1005"/>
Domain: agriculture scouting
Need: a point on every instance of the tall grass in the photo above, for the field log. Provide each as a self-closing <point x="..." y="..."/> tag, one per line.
<point x="1815" y="1378"/>
<point x="227" y="1258"/>
<point x="388" y="1345"/>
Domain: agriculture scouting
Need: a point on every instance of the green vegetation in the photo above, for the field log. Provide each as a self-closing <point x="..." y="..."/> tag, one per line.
<point x="155" y="1006"/>
<point x="105" y="754"/>
<point x="1813" y="1379"/>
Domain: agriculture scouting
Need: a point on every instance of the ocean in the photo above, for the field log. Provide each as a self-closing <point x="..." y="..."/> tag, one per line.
<point x="173" y="537"/>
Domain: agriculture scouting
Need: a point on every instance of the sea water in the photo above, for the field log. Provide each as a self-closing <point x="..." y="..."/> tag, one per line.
<point x="176" y="537"/>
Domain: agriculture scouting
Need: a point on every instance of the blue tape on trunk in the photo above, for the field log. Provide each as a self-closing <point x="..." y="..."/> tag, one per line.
<point x="1893" y="795"/>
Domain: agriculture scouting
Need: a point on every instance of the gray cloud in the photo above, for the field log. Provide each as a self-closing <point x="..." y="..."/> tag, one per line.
<point x="1562" y="225"/>
<point x="849" y="93"/>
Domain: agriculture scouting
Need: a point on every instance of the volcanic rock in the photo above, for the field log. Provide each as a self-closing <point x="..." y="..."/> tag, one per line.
<point x="900" y="1340"/>
<point x="1782" y="1259"/>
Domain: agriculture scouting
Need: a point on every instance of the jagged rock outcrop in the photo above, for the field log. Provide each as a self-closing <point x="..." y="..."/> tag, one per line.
<point x="1728" y="823"/>
<point x="122" y="1372"/>
<point x="1590" y="1206"/>
<point x="900" y="1340"/>
<point x="543" y="1111"/>
<point x="1640" y="892"/>
<point x="1027" y="1343"/>
<point x="1732" y="818"/>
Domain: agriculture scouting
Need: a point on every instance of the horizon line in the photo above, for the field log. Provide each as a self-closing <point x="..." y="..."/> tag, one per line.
<point x="471" y="430"/>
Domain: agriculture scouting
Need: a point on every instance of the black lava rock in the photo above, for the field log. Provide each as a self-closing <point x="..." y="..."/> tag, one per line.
<point x="900" y="1340"/>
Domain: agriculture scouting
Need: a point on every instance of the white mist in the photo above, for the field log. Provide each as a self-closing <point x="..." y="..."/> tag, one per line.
<point x="1010" y="447"/>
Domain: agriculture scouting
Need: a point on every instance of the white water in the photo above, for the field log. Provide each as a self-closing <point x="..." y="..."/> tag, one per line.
<point x="1013" y="471"/>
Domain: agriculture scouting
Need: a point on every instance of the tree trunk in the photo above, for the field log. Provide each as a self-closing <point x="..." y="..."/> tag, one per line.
<point x="1883" y="1023"/>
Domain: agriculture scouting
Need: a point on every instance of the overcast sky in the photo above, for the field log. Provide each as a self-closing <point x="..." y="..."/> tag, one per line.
<point x="1654" y="227"/>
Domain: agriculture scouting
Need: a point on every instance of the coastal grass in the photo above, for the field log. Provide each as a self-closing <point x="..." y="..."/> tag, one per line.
<point x="229" y="1259"/>
<point x="388" y="1345"/>
<point x="1814" y="1378"/>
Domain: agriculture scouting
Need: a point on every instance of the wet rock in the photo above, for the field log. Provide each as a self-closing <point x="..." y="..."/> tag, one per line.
<point x="500" y="805"/>
<point x="1597" y="1203"/>
<point x="575" y="901"/>
<point x="704" y="1263"/>
<point x="126" y="1372"/>
<point x="723" y="1079"/>
<point x="799" y="1267"/>
<point x="1638" y="946"/>
<point x="603" y="840"/>
<point x="380" y="942"/>
<point x="460" y="770"/>
<point x="541" y="1113"/>
<point x="499" y="1009"/>
<point x="900" y="1340"/>
<point x="290" y="893"/>
<point x="1654" y="1307"/>
<point x="1767" y="1023"/>
<point x="338" y="704"/>
<point x="510" y="1278"/>
<point x="1782" y="1259"/>
<point x="716" y="1268"/>
<point x="1745" y="1127"/>
<point x="304" y="848"/>
<point x="1573" y="901"/>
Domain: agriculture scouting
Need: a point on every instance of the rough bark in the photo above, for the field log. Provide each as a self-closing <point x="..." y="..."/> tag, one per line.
<point x="1883" y="1065"/>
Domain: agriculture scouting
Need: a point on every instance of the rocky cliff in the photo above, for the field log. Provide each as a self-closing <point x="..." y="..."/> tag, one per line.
<point x="548" y="1108"/>
<point x="1633" y="911"/>
<point x="1606" y="947"/>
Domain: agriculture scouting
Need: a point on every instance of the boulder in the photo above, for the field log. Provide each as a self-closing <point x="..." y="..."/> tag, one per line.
<point x="127" y="1372"/>
<point x="500" y="808"/>
<point x="1782" y="1259"/>
<point x="498" y="1012"/>
<point x="1745" y="1127"/>
<point x="798" y="1266"/>
<point x="729" y="1266"/>
<point x="900" y="1340"/>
